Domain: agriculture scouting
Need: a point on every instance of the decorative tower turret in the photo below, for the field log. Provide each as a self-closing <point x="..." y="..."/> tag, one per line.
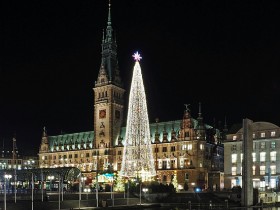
<point x="200" y="129"/>
<point x="44" y="142"/>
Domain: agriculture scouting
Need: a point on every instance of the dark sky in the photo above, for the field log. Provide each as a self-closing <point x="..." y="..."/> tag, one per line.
<point x="224" y="54"/>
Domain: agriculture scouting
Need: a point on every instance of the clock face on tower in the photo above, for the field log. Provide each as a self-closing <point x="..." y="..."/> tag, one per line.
<point x="102" y="113"/>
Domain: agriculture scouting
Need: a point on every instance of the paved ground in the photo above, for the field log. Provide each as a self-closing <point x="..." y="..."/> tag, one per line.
<point x="71" y="201"/>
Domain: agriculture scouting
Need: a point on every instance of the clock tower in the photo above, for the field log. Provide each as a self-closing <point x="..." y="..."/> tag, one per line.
<point x="108" y="98"/>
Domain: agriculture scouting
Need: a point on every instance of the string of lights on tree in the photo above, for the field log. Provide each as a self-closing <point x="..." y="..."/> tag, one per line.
<point x="138" y="158"/>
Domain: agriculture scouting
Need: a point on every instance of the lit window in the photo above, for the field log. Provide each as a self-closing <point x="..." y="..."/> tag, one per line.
<point x="254" y="135"/>
<point x="272" y="134"/>
<point x="273" y="169"/>
<point x="189" y="146"/>
<point x="201" y="146"/>
<point x="234" y="158"/>
<point x="234" y="137"/>
<point x="273" y="145"/>
<point x="254" y="156"/>
<point x="184" y="147"/>
<point x="262" y="156"/>
<point x="233" y="171"/>
<point x="262" y="135"/>
<point x="273" y="156"/>
<point x="254" y="170"/>
<point x="262" y="146"/>
<point x="262" y="170"/>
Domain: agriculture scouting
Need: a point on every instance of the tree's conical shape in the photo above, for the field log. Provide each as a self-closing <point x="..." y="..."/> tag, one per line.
<point x="138" y="158"/>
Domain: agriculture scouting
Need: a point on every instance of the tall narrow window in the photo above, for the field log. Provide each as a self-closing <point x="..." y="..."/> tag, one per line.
<point x="234" y="158"/>
<point x="262" y="170"/>
<point x="233" y="171"/>
<point x="273" y="169"/>
<point x="262" y="156"/>
<point x="254" y="156"/>
<point x="262" y="146"/>
<point x="273" y="156"/>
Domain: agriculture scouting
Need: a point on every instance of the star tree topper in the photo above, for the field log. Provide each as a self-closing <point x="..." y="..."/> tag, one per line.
<point x="137" y="56"/>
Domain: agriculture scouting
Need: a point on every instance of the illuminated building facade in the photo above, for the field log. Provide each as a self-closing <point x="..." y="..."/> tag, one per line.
<point x="265" y="156"/>
<point x="188" y="147"/>
<point x="10" y="159"/>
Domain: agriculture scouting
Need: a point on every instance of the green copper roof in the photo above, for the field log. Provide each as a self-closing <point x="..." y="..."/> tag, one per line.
<point x="85" y="140"/>
<point x="165" y="127"/>
<point x="74" y="141"/>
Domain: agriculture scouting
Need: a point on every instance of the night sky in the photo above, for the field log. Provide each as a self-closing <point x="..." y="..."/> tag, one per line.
<point x="224" y="54"/>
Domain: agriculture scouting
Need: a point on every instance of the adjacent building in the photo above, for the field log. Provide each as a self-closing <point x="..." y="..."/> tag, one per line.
<point x="265" y="156"/>
<point x="10" y="158"/>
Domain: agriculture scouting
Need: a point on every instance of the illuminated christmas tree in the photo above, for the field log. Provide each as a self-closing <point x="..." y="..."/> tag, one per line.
<point x="119" y="185"/>
<point x="175" y="182"/>
<point x="138" y="158"/>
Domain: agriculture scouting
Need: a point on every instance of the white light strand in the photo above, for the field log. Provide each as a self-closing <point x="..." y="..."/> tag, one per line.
<point x="138" y="158"/>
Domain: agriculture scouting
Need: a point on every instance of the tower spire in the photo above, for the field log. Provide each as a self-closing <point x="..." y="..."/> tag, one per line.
<point x="225" y="125"/>
<point x="44" y="132"/>
<point x="199" y="110"/>
<point x="109" y="56"/>
<point x="109" y="29"/>
<point x="14" y="150"/>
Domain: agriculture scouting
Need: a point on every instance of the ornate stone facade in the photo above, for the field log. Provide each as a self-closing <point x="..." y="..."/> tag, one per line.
<point x="187" y="146"/>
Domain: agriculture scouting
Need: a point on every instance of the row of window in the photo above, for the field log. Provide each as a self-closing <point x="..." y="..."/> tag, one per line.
<point x="76" y="155"/>
<point x="105" y="94"/>
<point x="262" y="145"/>
<point x="262" y="156"/>
<point x="262" y="135"/>
<point x="262" y="170"/>
<point x="172" y="148"/>
<point x="10" y="161"/>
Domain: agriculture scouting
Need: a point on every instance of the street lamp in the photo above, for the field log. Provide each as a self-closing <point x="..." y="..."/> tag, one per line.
<point x="50" y="178"/>
<point x="83" y="181"/>
<point x="6" y="177"/>
<point x="87" y="190"/>
<point x="145" y="190"/>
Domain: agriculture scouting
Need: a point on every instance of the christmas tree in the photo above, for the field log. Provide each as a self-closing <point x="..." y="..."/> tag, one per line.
<point x="119" y="185"/>
<point x="175" y="182"/>
<point x="138" y="158"/>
